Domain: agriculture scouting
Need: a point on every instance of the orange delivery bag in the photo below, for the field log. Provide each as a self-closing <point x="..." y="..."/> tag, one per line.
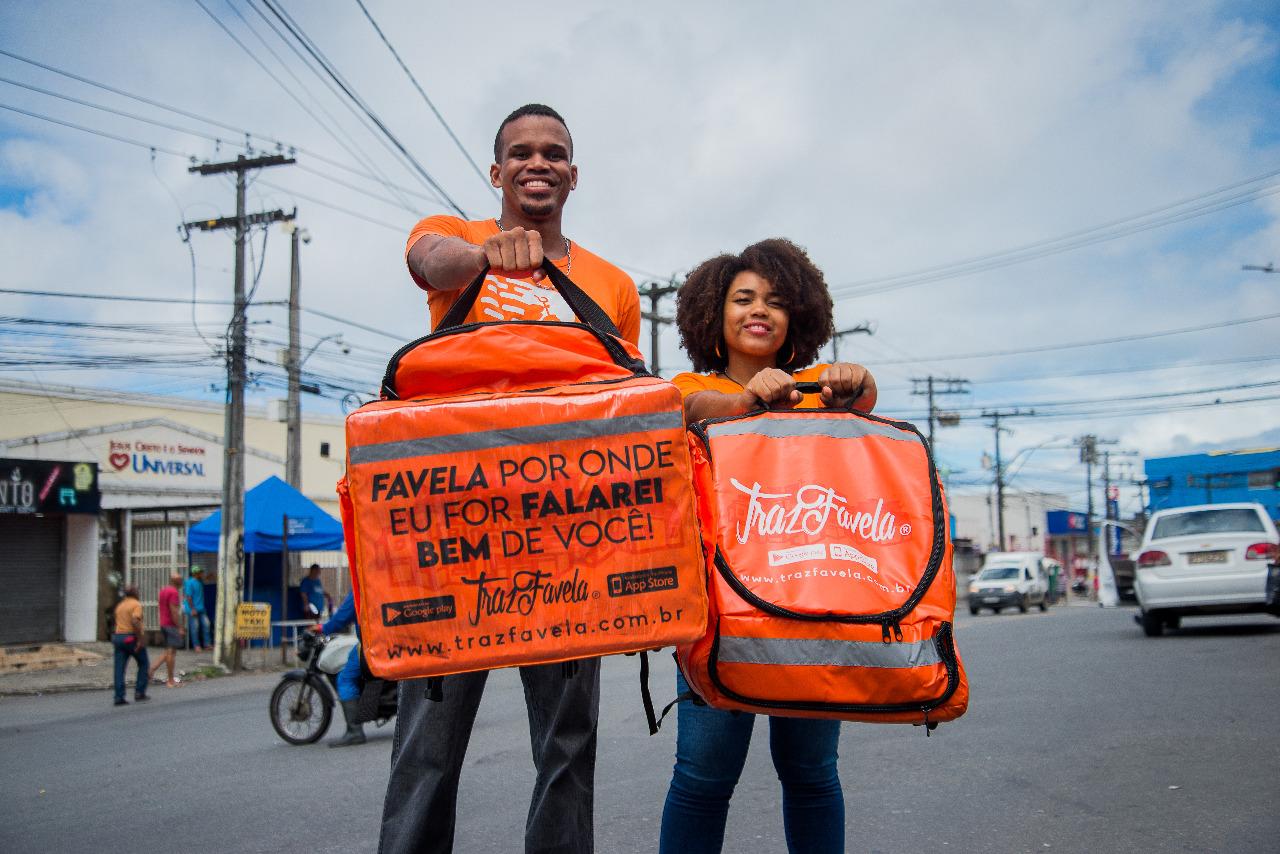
<point x="828" y="559"/>
<point x="520" y="494"/>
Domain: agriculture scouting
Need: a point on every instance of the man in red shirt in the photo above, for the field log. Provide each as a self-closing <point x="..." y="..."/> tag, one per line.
<point x="534" y="169"/>
<point x="169" y="602"/>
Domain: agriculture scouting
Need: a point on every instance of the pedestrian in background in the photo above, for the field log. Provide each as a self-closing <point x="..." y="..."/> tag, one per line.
<point x="129" y="642"/>
<point x="171" y="628"/>
<point x="199" y="635"/>
<point x="314" y="597"/>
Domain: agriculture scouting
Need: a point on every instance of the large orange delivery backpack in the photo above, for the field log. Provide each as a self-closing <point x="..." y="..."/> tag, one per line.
<point x="521" y="494"/>
<point x="829" y="570"/>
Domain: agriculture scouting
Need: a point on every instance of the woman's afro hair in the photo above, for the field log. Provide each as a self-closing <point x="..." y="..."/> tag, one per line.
<point x="700" y="304"/>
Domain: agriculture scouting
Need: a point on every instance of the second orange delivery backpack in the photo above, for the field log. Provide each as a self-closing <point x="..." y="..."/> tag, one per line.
<point x="520" y="495"/>
<point x="828" y="566"/>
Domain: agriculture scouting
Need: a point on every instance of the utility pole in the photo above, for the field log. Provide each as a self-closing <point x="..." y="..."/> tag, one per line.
<point x="1088" y="445"/>
<point x="231" y="545"/>
<point x="293" y="364"/>
<point x="655" y="292"/>
<point x="952" y="386"/>
<point x="860" y="329"/>
<point x="995" y="417"/>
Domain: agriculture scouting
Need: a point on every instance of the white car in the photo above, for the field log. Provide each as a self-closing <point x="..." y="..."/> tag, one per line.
<point x="1205" y="559"/>
<point x="1010" y="580"/>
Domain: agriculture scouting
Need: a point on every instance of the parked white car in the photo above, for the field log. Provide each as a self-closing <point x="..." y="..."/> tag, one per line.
<point x="1206" y="559"/>
<point x="1010" y="580"/>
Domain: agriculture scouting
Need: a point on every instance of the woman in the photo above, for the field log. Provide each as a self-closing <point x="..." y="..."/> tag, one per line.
<point x="748" y="323"/>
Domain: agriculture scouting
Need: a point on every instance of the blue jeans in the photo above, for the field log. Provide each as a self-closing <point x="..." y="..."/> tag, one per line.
<point x="711" y="749"/>
<point x="198" y="633"/>
<point x="126" y="647"/>
<point x="431" y="742"/>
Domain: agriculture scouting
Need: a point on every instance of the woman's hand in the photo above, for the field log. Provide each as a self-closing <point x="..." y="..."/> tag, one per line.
<point x="774" y="388"/>
<point x="845" y="384"/>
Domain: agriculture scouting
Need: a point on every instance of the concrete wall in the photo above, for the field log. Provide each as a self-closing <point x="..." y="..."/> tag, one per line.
<point x="80" y="600"/>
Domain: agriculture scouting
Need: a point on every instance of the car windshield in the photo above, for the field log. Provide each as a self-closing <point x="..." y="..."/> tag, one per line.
<point x="999" y="573"/>
<point x="1223" y="521"/>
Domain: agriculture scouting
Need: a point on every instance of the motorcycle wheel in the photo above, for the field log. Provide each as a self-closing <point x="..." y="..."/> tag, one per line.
<point x="300" y="711"/>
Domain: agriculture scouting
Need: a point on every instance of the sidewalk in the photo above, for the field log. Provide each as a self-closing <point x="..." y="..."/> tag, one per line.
<point x="89" y="667"/>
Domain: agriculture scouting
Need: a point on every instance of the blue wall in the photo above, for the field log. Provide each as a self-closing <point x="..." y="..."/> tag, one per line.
<point x="1215" y="478"/>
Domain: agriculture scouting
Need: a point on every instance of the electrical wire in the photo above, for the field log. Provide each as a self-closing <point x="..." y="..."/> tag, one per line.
<point x="474" y="166"/>
<point x="1120" y="339"/>
<point x="337" y="78"/>
<point x="1191" y="207"/>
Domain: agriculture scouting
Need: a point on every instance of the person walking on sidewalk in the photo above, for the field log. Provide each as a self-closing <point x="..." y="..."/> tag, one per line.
<point x="129" y="642"/>
<point x="171" y="628"/>
<point x="199" y="634"/>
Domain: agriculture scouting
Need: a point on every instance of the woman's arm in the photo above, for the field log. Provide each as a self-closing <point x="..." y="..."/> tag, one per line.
<point x="770" y="387"/>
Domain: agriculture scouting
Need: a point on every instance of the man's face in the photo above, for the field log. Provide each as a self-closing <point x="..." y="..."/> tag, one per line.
<point x="535" y="173"/>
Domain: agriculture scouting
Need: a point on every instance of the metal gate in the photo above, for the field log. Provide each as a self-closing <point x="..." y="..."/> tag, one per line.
<point x="31" y="578"/>
<point x="157" y="551"/>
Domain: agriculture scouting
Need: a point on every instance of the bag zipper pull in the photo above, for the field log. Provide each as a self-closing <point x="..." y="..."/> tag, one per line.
<point x="928" y="730"/>
<point x="897" y="631"/>
<point x="884" y="633"/>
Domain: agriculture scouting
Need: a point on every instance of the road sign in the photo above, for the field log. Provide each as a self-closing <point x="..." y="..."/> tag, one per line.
<point x="253" y="620"/>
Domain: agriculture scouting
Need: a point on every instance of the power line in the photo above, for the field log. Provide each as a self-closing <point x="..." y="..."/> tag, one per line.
<point x="337" y="78"/>
<point x="1121" y="339"/>
<point x="418" y="86"/>
<point x="1191" y="207"/>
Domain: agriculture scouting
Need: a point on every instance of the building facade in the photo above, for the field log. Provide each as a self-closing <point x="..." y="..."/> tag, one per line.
<point x="1217" y="477"/>
<point x="157" y="468"/>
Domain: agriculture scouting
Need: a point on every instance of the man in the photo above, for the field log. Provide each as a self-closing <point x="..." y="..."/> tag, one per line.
<point x="311" y="589"/>
<point x="171" y="628"/>
<point x="349" y="676"/>
<point x="534" y="170"/>
<point x="129" y="642"/>
<point x="200" y="633"/>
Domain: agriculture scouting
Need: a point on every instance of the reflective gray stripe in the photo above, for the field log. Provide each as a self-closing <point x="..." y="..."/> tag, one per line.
<point x="805" y="652"/>
<point x="837" y="428"/>
<point x="531" y="435"/>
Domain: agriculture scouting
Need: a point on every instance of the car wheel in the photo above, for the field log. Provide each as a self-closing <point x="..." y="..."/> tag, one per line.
<point x="1172" y="622"/>
<point x="1044" y="603"/>
<point x="973" y="610"/>
<point x="1152" y="624"/>
<point x="996" y="611"/>
<point x="1022" y="604"/>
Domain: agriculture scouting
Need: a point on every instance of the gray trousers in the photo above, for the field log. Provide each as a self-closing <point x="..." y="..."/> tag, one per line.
<point x="431" y="742"/>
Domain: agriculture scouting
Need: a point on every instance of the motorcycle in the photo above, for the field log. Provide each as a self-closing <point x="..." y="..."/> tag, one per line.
<point x="302" y="704"/>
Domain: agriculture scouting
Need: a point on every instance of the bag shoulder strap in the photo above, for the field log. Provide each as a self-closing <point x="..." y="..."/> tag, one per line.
<point x="655" y="720"/>
<point x="587" y="309"/>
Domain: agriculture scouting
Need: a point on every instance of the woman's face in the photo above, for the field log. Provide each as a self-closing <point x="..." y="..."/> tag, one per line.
<point x="755" y="320"/>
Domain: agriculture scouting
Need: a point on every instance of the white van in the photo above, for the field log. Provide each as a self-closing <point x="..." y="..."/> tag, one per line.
<point x="1205" y="559"/>
<point x="1010" y="580"/>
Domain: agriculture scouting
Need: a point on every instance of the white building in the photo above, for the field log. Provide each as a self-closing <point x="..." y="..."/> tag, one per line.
<point x="1025" y="525"/>
<point x="158" y="469"/>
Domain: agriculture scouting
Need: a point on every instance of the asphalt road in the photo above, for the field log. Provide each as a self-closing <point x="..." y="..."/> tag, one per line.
<point x="1082" y="735"/>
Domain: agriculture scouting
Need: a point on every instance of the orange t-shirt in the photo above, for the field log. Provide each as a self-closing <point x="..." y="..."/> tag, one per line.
<point x="690" y="384"/>
<point x="128" y="616"/>
<point x="505" y="298"/>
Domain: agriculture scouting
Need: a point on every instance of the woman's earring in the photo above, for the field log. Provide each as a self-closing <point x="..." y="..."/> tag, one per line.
<point x="719" y="355"/>
<point x="789" y="358"/>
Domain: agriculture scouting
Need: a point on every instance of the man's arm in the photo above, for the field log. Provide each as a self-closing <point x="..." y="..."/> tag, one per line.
<point x="175" y="614"/>
<point x="450" y="263"/>
<point x="138" y="629"/>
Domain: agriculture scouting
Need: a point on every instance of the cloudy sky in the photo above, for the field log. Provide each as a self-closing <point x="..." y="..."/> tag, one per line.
<point x="1052" y="201"/>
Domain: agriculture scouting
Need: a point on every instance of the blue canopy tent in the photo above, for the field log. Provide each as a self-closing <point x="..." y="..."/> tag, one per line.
<point x="277" y="519"/>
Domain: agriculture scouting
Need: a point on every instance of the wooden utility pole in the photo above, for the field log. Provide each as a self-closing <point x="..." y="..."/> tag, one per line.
<point x="995" y="417"/>
<point x="231" y="543"/>
<point x="953" y="386"/>
<point x="655" y="292"/>
<point x="860" y="329"/>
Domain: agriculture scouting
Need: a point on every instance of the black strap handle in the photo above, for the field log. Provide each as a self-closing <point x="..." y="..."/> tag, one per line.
<point x="587" y="310"/>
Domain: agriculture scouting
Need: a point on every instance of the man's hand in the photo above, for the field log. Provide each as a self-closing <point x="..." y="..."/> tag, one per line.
<point x="845" y="385"/>
<point x="516" y="253"/>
